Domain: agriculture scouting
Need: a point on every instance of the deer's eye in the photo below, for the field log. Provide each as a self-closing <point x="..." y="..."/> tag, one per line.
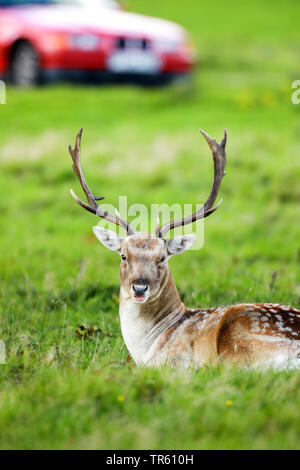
<point x="162" y="259"/>
<point x="123" y="257"/>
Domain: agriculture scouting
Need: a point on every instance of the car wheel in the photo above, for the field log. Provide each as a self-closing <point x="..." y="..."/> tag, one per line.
<point x="24" y="66"/>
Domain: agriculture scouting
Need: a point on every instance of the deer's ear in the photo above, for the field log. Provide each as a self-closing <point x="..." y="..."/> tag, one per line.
<point x="178" y="245"/>
<point x="108" y="238"/>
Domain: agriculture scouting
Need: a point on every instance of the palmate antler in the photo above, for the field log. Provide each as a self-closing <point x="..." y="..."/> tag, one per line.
<point x="93" y="206"/>
<point x="219" y="156"/>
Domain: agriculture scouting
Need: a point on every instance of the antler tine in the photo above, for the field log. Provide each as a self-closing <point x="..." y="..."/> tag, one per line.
<point x="75" y="154"/>
<point x="219" y="157"/>
<point x="92" y="206"/>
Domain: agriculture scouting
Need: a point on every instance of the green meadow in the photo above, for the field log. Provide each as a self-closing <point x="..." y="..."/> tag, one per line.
<point x="62" y="388"/>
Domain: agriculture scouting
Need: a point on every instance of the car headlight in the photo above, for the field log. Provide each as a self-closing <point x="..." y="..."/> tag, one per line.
<point x="85" y="42"/>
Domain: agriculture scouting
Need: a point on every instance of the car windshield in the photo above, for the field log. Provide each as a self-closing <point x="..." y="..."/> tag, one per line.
<point x="102" y="3"/>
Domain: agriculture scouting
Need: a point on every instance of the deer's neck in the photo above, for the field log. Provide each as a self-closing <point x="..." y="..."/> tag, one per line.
<point x="142" y="324"/>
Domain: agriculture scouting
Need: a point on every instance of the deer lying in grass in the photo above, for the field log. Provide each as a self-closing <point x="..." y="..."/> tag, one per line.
<point x="156" y="326"/>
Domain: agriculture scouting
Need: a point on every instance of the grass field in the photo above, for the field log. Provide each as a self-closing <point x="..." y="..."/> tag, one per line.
<point x="60" y="391"/>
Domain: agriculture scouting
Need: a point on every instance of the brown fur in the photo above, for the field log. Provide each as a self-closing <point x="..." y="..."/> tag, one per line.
<point x="238" y="333"/>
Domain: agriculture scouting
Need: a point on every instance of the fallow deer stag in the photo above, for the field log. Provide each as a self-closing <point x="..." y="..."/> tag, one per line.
<point x="156" y="326"/>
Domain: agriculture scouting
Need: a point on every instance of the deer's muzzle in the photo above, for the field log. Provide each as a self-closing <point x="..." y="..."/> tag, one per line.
<point x="140" y="291"/>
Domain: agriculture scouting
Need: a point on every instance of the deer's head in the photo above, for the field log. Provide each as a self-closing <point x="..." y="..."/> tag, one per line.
<point x="144" y="267"/>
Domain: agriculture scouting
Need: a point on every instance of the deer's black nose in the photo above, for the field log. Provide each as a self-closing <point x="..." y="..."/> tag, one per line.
<point x="139" y="289"/>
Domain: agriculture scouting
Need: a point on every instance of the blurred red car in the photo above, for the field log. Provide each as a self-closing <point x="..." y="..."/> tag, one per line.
<point x="48" y="39"/>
